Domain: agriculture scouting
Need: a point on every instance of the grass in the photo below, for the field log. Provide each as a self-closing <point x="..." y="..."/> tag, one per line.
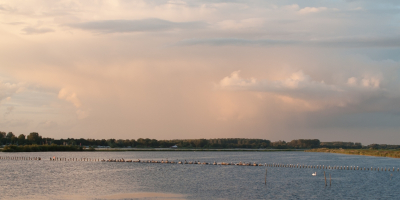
<point x="364" y="152"/>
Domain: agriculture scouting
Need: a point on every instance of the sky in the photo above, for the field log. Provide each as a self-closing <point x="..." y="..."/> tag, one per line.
<point x="171" y="69"/>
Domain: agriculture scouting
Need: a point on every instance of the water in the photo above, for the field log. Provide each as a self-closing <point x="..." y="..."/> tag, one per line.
<point x="95" y="180"/>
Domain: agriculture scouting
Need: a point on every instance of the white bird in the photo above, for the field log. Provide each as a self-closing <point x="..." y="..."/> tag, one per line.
<point x="314" y="174"/>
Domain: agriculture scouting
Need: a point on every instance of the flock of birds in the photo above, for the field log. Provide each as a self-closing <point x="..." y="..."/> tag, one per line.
<point x="184" y="162"/>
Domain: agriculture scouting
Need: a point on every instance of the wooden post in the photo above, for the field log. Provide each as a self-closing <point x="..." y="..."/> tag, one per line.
<point x="266" y="176"/>
<point x="330" y="180"/>
<point x="325" y="178"/>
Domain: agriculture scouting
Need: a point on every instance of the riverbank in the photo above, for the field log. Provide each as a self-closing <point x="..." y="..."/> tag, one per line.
<point x="169" y="149"/>
<point x="42" y="148"/>
<point x="363" y="152"/>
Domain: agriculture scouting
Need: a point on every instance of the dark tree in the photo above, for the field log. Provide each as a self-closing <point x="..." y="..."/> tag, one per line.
<point x="21" y="139"/>
<point x="34" y="138"/>
<point x="2" y="135"/>
<point x="10" y="135"/>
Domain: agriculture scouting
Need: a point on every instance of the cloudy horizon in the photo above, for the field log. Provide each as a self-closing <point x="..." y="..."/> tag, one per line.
<point x="171" y="69"/>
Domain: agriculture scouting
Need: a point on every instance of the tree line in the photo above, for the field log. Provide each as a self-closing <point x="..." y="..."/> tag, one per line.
<point x="10" y="138"/>
<point x="34" y="138"/>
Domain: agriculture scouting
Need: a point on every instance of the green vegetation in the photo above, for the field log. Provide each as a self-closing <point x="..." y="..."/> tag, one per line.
<point x="365" y="152"/>
<point x="33" y="141"/>
<point x="35" y="148"/>
<point x="186" y="149"/>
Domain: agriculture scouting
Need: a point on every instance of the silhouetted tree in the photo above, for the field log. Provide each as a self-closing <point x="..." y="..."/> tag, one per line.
<point x="21" y="139"/>
<point x="10" y="135"/>
<point x="34" y="138"/>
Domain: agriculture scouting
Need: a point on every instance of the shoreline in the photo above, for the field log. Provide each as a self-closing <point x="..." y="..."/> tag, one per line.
<point x="395" y="153"/>
<point x="151" y="149"/>
<point x="271" y="150"/>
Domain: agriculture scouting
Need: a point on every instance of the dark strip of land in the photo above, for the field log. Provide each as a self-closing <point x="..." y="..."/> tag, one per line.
<point x="363" y="152"/>
<point x="40" y="148"/>
<point x="43" y="148"/>
<point x="187" y="149"/>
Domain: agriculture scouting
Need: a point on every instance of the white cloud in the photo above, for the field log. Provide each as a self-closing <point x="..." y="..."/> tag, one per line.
<point x="294" y="83"/>
<point x="301" y="86"/>
<point x="72" y="97"/>
<point x="69" y="96"/>
<point x="308" y="10"/>
<point x="365" y="82"/>
<point x="235" y="81"/>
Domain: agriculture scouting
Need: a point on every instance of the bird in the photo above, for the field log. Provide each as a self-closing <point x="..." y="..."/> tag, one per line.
<point x="314" y="174"/>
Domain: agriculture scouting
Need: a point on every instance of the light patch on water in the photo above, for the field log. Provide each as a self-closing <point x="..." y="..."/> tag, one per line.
<point x="144" y="195"/>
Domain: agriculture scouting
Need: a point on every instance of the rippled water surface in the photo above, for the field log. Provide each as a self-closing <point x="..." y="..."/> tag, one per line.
<point x="98" y="180"/>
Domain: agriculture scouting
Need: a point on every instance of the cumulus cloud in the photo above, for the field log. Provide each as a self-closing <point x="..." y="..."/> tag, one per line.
<point x="142" y="25"/>
<point x="72" y="97"/>
<point x="297" y="84"/>
<point x="301" y="86"/>
<point x="69" y="96"/>
<point x="366" y="82"/>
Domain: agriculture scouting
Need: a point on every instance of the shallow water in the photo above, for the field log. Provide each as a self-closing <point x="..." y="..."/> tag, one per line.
<point x="112" y="180"/>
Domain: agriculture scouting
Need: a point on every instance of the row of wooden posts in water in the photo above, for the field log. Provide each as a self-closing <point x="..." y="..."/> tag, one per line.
<point x="205" y="163"/>
<point x="19" y="158"/>
<point x="240" y="163"/>
<point x="333" y="167"/>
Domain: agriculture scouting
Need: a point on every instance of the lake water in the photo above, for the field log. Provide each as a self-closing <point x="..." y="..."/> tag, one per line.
<point x="113" y="180"/>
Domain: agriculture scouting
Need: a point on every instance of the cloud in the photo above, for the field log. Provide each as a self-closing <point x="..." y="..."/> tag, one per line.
<point x="234" y="41"/>
<point x="308" y="10"/>
<point x="34" y="31"/>
<point x="143" y="25"/>
<point x="366" y="82"/>
<point x="70" y="97"/>
<point x="8" y="89"/>
<point x="301" y="86"/>
<point x="6" y="8"/>
<point x="250" y="23"/>
<point x="343" y="42"/>
<point x="298" y="85"/>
